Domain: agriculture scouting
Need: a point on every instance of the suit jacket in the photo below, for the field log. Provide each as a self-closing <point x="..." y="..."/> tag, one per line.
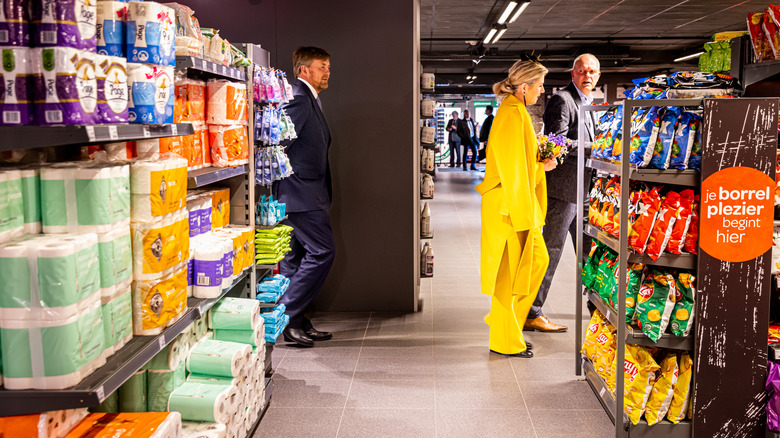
<point x="484" y="131"/>
<point x="309" y="188"/>
<point x="450" y="133"/>
<point x="561" y="116"/>
<point x="465" y="133"/>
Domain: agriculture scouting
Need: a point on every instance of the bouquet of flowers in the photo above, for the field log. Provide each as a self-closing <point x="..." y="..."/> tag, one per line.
<point x="553" y="146"/>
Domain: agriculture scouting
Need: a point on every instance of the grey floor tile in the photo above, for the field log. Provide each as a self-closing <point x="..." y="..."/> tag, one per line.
<point x="299" y="422"/>
<point x="409" y="347"/>
<point x="340" y="316"/>
<point x="395" y="367"/>
<point x="558" y="346"/>
<point x="391" y="394"/>
<point x="388" y="423"/>
<point x="310" y="393"/>
<point x="536" y="369"/>
<point x="468" y="394"/>
<point x="572" y="424"/>
<point x="317" y="368"/>
<point x="493" y="423"/>
<point x="570" y="394"/>
<point x="473" y="366"/>
<point x="333" y="347"/>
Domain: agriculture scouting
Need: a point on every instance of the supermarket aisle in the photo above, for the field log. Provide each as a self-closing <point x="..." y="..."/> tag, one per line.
<point x="430" y="374"/>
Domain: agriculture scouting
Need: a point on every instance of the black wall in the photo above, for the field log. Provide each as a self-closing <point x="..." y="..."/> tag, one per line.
<point x="370" y="107"/>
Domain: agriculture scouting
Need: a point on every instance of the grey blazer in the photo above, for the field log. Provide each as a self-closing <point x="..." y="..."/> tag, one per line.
<point x="561" y="116"/>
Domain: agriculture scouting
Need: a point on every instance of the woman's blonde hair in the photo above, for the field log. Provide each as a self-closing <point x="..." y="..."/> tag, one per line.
<point x="522" y="72"/>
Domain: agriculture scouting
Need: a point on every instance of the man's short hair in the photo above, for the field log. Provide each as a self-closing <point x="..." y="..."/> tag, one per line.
<point x="304" y="55"/>
<point x="584" y="55"/>
<point x="454" y="113"/>
<point x="489" y="108"/>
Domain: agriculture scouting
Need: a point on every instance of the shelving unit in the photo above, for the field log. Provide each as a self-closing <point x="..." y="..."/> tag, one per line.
<point x="744" y="67"/>
<point x="210" y="175"/>
<point x="680" y="261"/>
<point x="205" y="66"/>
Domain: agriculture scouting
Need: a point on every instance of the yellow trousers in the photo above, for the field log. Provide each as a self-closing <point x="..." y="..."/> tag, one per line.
<point x="508" y="311"/>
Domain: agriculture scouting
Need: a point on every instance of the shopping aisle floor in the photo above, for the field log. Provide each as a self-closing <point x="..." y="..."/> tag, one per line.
<point x="429" y="374"/>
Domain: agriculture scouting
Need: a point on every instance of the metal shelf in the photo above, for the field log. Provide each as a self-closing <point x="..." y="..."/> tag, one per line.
<point x="688" y="177"/>
<point x="663" y="428"/>
<point x="119" y="367"/>
<point x="210" y="175"/>
<point x="427" y="117"/>
<point x="635" y="336"/>
<point x="269" y="227"/>
<point x="429" y="172"/>
<point x="31" y="137"/>
<point x="680" y="261"/>
<point x="430" y="146"/>
<point x="203" y="65"/>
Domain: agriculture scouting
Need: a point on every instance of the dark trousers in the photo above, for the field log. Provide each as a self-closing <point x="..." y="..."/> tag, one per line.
<point x="561" y="220"/>
<point x="469" y="145"/>
<point x="308" y="264"/>
<point x="454" y="150"/>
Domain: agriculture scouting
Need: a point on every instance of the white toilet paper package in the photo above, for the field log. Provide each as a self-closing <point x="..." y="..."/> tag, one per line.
<point x="158" y="188"/>
<point x="117" y="314"/>
<point x="16" y="93"/>
<point x="160" y="385"/>
<point x="65" y="87"/>
<point x="49" y="276"/>
<point x="65" y="23"/>
<point x="151" y="33"/>
<point x="116" y="258"/>
<point x="204" y="402"/>
<point x="15" y="23"/>
<point x="227" y="103"/>
<point x="53" y="353"/>
<point x="218" y="358"/>
<point x="152" y="96"/>
<point x="11" y="205"/>
<point x="52" y="424"/>
<point x="208" y="268"/>
<point x="160" y="246"/>
<point x="31" y="199"/>
<point x="196" y="429"/>
<point x="111" y="28"/>
<point x="158" y="303"/>
<point x="235" y="314"/>
<point x="129" y="424"/>
<point x="111" y="75"/>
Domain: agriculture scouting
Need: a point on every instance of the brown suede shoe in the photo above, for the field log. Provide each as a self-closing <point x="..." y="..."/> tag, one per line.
<point x="542" y="324"/>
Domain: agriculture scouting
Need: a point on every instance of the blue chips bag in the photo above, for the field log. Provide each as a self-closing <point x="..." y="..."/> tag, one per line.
<point x="663" y="145"/>
<point x="601" y="132"/>
<point x="644" y="136"/>
<point x="614" y="135"/>
<point x="694" y="162"/>
<point x="684" y="138"/>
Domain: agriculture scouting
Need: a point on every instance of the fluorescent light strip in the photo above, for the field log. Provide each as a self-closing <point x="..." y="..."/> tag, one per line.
<point x="507" y="11"/>
<point x="490" y="35"/>
<point x="499" y="35"/>
<point x="685" y="58"/>
<point x="519" y="11"/>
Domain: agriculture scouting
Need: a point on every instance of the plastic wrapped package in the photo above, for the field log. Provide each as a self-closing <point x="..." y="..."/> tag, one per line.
<point x="769" y="26"/>
<point x="65" y="86"/>
<point x="12" y="211"/>
<point x="205" y="402"/>
<point x="152" y="93"/>
<point x="111" y="28"/>
<point x="235" y="314"/>
<point x="117" y="313"/>
<point x="656" y="302"/>
<point x="663" y="390"/>
<point x="193" y="429"/>
<point x="761" y="47"/>
<point x="682" y="390"/>
<point x="31" y="199"/>
<point x="773" y="389"/>
<point x="133" y="394"/>
<point x="52" y="424"/>
<point x="65" y="23"/>
<point x="218" y="358"/>
<point x="145" y="424"/>
<point x="157" y="187"/>
<point x="161" y="246"/>
<point x="116" y="259"/>
<point x="16" y="93"/>
<point x="151" y="33"/>
<point x="227" y="103"/>
<point x="161" y="384"/>
<point x="159" y="303"/>
<point x="639" y="369"/>
<point x="111" y="74"/>
<point x="173" y="356"/>
<point x="15" y="23"/>
<point x="191" y="100"/>
<point x="220" y="207"/>
<point x="189" y="40"/>
<point x="120" y="151"/>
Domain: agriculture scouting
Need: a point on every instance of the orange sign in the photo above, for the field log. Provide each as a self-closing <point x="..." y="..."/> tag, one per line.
<point x="737" y="212"/>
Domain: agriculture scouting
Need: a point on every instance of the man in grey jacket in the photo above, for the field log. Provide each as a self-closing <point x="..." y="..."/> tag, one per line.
<point x="561" y="117"/>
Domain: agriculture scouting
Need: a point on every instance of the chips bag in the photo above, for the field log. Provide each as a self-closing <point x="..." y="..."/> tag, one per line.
<point x="596" y="336"/>
<point x="602" y="127"/>
<point x="694" y="162"/>
<point x="761" y="46"/>
<point x="635" y="274"/>
<point x="647" y="210"/>
<point x="607" y="203"/>
<point x="681" y="320"/>
<point x="639" y="369"/>
<point x="655" y="303"/>
<point x="769" y="26"/>
<point x="614" y="134"/>
<point x="664" y="224"/>
<point x="691" y="244"/>
<point x="645" y="133"/>
<point x="683" y="142"/>
<point x="679" y="407"/>
<point x="596" y="197"/>
<point x="663" y="145"/>
<point x="682" y="223"/>
<point x="597" y="251"/>
<point x="773" y="389"/>
<point x="605" y="276"/>
<point x="663" y="390"/>
<point x="611" y="221"/>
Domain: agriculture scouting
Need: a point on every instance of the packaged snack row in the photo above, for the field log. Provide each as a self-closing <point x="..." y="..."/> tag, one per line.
<point x="764" y="33"/>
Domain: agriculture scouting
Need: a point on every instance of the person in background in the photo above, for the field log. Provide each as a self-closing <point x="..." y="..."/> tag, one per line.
<point x="513" y="256"/>
<point x="467" y="130"/>
<point x="484" y="131"/>
<point x="561" y="117"/>
<point x="454" y="139"/>
<point x="308" y="195"/>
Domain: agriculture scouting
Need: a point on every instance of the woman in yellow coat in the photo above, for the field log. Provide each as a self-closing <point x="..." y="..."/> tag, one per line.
<point x="514" y="204"/>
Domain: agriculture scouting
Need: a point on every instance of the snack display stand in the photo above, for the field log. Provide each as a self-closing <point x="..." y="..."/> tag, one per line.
<point x="732" y="294"/>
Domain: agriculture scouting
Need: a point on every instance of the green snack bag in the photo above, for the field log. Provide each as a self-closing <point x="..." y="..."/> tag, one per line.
<point x="605" y="282"/>
<point x="681" y="320"/>
<point x="635" y="273"/>
<point x="655" y="303"/>
<point x="597" y="250"/>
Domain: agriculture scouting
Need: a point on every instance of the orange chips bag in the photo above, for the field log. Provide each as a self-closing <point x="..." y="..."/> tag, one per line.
<point x="682" y="223"/>
<point x="691" y="244"/>
<point x="647" y="211"/>
<point x="664" y="224"/>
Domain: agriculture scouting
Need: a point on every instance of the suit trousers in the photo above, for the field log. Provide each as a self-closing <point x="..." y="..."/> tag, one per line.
<point x="454" y="150"/>
<point x="471" y="145"/>
<point x="308" y="264"/>
<point x="561" y="220"/>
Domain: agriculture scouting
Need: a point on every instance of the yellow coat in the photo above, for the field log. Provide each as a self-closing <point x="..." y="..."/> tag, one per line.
<point x="514" y="198"/>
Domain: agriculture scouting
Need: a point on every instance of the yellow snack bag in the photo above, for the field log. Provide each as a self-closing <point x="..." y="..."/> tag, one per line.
<point x="682" y="389"/>
<point x="606" y="345"/>
<point x="639" y="368"/>
<point x="591" y="333"/>
<point x="663" y="390"/>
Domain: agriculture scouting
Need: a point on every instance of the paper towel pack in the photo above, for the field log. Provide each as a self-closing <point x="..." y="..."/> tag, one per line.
<point x="145" y="424"/>
<point x="151" y="33"/>
<point x="11" y="205"/>
<point x="65" y="86"/>
<point x="52" y="424"/>
<point x="14" y="23"/>
<point x="16" y="87"/>
<point x="227" y="103"/>
<point x="219" y="358"/>
<point x="157" y="187"/>
<point x="65" y="23"/>
<point x="229" y="145"/>
<point x="111" y="28"/>
<point x="159" y="303"/>
<point x="111" y="78"/>
<point x="151" y="93"/>
<point x="204" y="402"/>
<point x="161" y="246"/>
<point x="235" y="314"/>
<point x="117" y="311"/>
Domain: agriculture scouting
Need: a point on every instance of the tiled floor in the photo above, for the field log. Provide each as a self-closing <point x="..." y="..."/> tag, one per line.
<point x="429" y="374"/>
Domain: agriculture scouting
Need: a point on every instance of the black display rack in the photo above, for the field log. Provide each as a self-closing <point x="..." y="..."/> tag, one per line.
<point x="198" y="64"/>
<point x="119" y="367"/>
<point x="680" y="261"/>
<point x="210" y="175"/>
<point x="32" y="137"/>
<point x="744" y="67"/>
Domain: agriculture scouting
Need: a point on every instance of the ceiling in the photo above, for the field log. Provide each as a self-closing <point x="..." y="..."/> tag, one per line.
<point x="630" y="37"/>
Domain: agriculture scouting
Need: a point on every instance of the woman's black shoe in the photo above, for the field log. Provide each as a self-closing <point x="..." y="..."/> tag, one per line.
<point x="527" y="354"/>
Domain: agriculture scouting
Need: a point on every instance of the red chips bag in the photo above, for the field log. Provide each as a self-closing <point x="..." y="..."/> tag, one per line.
<point x="596" y="195"/>
<point x="664" y="224"/>
<point x="761" y="46"/>
<point x="612" y="212"/>
<point x="647" y="211"/>
<point x="607" y="205"/>
<point x="682" y="223"/>
<point x="769" y="26"/>
<point x="691" y="244"/>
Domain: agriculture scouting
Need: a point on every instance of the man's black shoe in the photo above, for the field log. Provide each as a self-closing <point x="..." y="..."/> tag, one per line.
<point x="318" y="335"/>
<point x="298" y="336"/>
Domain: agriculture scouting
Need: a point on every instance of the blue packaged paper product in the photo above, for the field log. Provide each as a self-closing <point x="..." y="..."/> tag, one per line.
<point x="151" y="93"/>
<point x="111" y="28"/>
<point x="644" y="137"/>
<point x="663" y="146"/>
<point x="683" y="141"/>
<point x="65" y="23"/>
<point x="151" y="33"/>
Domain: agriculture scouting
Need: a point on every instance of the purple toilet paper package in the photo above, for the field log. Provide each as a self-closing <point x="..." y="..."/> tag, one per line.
<point x="65" y="87"/>
<point x="15" y="90"/>
<point x="65" y="23"/>
<point x="111" y="75"/>
<point x="14" y="23"/>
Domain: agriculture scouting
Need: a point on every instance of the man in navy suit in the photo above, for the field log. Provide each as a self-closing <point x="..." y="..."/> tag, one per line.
<point x="308" y="195"/>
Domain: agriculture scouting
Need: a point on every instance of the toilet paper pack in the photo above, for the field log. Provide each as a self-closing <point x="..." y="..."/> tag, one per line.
<point x="151" y="33"/>
<point x="111" y="78"/>
<point x="116" y="259"/>
<point x="227" y="103"/>
<point x="203" y="402"/>
<point x="65" y="86"/>
<point x="65" y="23"/>
<point x="14" y="23"/>
<point x="31" y="199"/>
<point x="160" y="246"/>
<point x="117" y="312"/>
<point x="111" y="28"/>
<point x="152" y="93"/>
<point x="235" y="314"/>
<point x="52" y="424"/>
<point x="159" y="303"/>
<point x="219" y="358"/>
<point x="16" y="89"/>
<point x="190" y="105"/>
<point x="196" y="429"/>
<point x="229" y="145"/>
<point x="120" y="151"/>
<point x="157" y="187"/>
<point x="133" y="393"/>
<point x="207" y="270"/>
<point x="11" y="205"/>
